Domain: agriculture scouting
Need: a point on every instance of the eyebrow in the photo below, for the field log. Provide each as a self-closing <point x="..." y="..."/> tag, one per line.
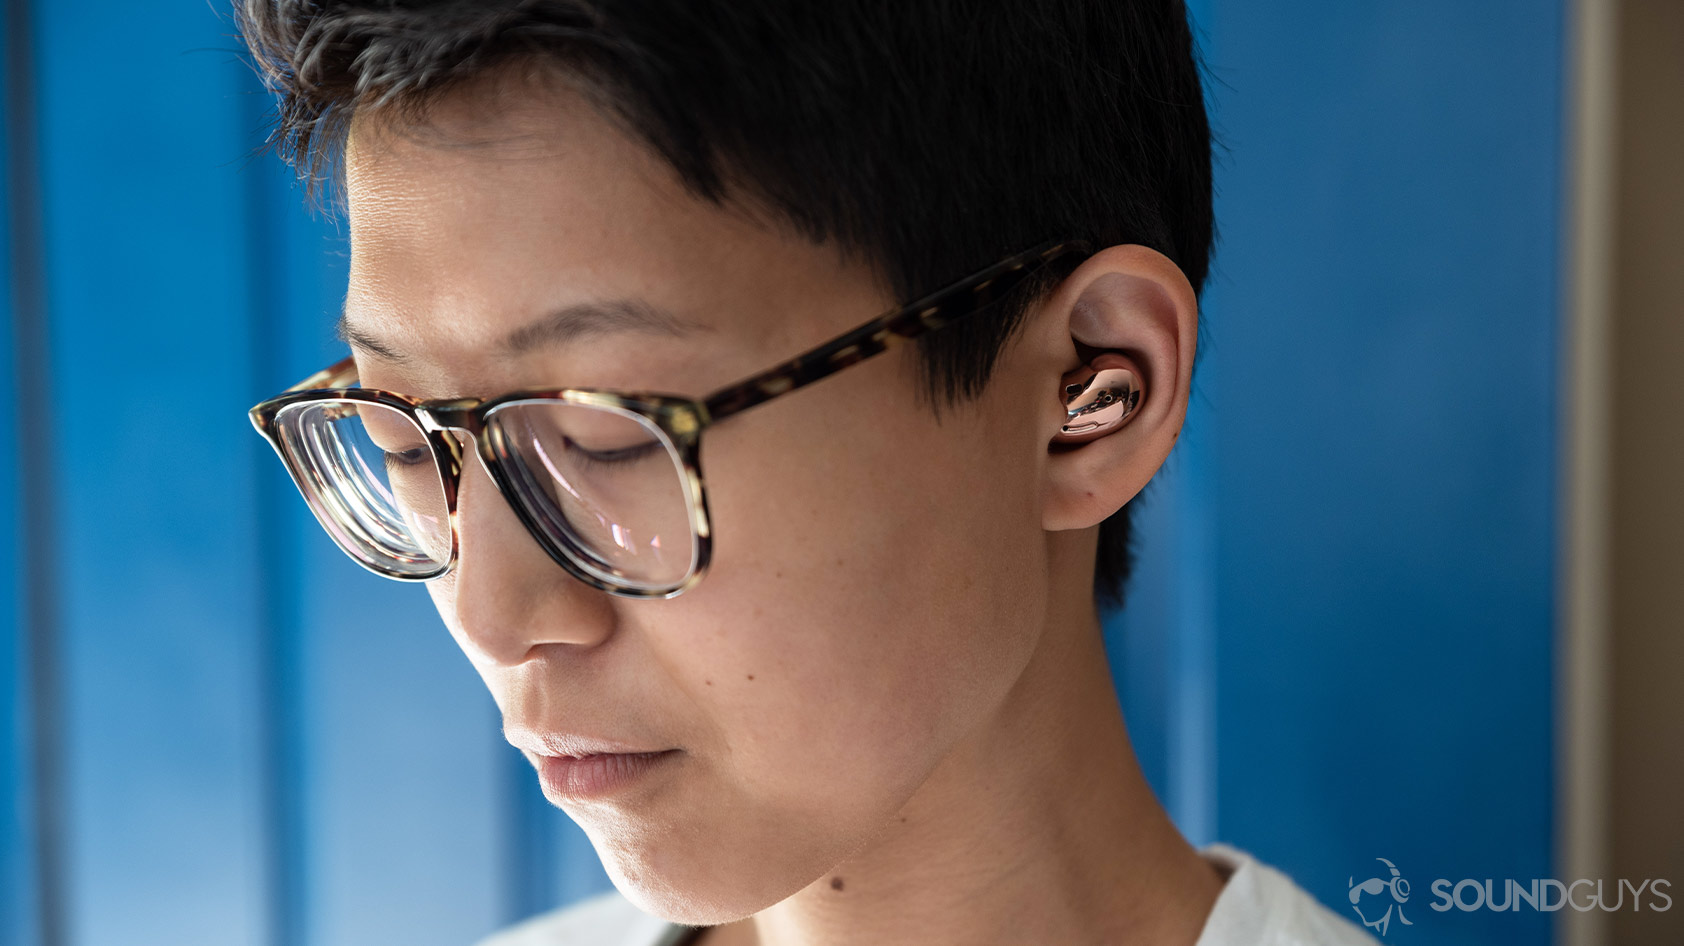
<point x="580" y="320"/>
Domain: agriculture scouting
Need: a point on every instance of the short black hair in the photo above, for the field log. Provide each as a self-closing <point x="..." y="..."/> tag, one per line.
<point x="927" y="137"/>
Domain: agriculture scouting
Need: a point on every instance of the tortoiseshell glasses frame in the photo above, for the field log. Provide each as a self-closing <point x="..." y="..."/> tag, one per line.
<point x="679" y="420"/>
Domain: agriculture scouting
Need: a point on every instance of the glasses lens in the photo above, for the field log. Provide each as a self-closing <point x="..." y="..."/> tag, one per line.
<point x="368" y="473"/>
<point x="604" y="484"/>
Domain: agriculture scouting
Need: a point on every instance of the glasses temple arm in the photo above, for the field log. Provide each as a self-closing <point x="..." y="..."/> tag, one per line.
<point x="932" y="312"/>
<point x="340" y="374"/>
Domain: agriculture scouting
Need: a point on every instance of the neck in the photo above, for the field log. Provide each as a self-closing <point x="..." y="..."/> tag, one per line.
<point x="1038" y="828"/>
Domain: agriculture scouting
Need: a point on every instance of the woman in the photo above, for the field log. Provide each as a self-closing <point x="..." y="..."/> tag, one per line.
<point x="915" y="288"/>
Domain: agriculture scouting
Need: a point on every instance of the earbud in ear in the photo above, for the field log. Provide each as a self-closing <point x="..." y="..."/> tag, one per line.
<point x="1098" y="397"/>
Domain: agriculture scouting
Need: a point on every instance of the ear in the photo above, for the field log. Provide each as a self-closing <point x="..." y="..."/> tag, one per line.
<point x="1133" y="302"/>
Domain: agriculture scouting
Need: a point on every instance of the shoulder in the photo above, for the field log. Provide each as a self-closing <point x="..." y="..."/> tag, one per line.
<point x="608" y="919"/>
<point x="1260" y="906"/>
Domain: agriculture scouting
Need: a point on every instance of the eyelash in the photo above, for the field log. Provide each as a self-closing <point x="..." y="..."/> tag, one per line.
<point x="611" y="459"/>
<point x="588" y="459"/>
<point x="419" y="454"/>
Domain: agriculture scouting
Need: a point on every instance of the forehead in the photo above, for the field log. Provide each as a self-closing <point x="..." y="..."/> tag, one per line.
<point x="516" y="199"/>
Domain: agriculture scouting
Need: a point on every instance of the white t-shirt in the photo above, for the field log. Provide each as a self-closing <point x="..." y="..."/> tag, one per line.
<point x="1258" y="906"/>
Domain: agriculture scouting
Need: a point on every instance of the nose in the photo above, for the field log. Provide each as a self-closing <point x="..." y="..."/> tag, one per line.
<point x="505" y="597"/>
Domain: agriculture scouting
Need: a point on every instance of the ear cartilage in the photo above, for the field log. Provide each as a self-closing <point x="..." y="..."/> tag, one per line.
<point x="1101" y="401"/>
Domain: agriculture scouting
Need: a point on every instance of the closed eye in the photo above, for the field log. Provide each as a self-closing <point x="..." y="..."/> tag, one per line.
<point x="414" y="456"/>
<point x="610" y="458"/>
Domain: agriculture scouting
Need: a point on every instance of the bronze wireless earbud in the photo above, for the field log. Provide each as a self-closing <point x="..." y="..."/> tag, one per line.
<point x="1098" y="398"/>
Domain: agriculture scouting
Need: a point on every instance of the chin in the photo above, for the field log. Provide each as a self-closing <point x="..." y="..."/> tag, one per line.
<point x="711" y="900"/>
<point x="684" y="878"/>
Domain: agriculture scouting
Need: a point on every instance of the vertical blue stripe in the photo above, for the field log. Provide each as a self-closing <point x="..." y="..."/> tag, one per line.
<point x="275" y="543"/>
<point x="17" y="820"/>
<point x="1191" y="785"/>
<point x="31" y="853"/>
<point x="141" y="135"/>
<point x="17" y="871"/>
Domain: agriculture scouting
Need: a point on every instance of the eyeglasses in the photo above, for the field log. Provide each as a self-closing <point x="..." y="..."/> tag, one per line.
<point x="608" y="483"/>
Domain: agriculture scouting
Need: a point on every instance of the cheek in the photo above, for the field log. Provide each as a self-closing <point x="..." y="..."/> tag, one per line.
<point x="877" y="584"/>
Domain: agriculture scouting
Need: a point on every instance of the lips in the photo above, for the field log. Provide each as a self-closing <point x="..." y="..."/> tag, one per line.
<point x="577" y="767"/>
<point x="569" y="778"/>
<point x="548" y="743"/>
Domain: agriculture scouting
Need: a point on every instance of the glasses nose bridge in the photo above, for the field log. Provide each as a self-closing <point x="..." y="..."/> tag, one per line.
<point x="451" y="415"/>
<point x="459" y="416"/>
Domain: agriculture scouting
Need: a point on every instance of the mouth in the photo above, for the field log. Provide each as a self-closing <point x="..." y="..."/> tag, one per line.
<point x="576" y="767"/>
<point x="598" y="775"/>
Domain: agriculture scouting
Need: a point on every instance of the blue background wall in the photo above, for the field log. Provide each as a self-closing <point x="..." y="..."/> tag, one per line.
<point x="1339" y="646"/>
<point x="1347" y="641"/>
